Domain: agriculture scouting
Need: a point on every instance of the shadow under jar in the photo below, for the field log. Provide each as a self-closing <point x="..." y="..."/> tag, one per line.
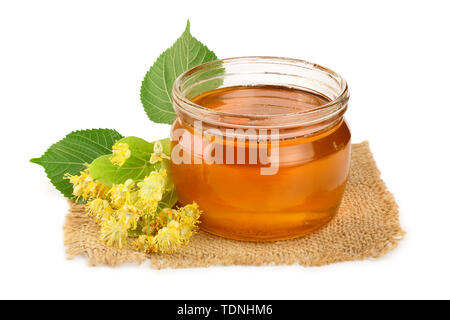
<point x="287" y="112"/>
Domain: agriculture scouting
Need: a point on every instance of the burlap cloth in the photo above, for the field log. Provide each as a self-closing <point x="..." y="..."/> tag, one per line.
<point x="367" y="226"/>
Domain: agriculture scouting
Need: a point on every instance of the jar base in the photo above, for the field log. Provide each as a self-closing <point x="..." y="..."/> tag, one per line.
<point x="267" y="237"/>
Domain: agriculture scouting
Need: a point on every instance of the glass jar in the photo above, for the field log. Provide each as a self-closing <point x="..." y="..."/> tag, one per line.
<point x="272" y="161"/>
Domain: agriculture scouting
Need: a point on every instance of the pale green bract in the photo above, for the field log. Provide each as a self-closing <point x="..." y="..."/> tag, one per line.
<point x="136" y="167"/>
<point x="72" y="153"/>
<point x="156" y="90"/>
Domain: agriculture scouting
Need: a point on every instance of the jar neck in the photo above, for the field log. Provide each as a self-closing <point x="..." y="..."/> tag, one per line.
<point x="262" y="71"/>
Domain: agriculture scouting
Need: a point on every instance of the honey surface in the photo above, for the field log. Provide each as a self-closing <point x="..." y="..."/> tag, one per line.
<point x="240" y="203"/>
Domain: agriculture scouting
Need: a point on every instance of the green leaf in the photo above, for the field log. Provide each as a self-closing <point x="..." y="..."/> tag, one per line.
<point x="72" y="153"/>
<point x="136" y="167"/>
<point x="156" y="90"/>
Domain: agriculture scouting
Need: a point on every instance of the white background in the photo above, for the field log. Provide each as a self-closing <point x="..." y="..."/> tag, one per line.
<point x="67" y="65"/>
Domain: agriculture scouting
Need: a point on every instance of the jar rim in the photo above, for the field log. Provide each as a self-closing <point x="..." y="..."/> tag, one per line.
<point x="334" y="106"/>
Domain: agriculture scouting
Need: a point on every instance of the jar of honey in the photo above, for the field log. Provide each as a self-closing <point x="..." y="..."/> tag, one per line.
<point x="261" y="145"/>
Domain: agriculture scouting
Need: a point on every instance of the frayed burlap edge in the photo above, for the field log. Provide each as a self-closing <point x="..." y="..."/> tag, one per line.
<point x="367" y="226"/>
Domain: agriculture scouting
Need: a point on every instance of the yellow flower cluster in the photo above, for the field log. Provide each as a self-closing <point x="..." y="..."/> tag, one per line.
<point x="132" y="210"/>
<point x="121" y="153"/>
<point x="85" y="187"/>
<point x="174" y="228"/>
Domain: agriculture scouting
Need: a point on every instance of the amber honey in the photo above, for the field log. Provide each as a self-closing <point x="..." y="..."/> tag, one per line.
<point x="222" y="164"/>
<point x="240" y="203"/>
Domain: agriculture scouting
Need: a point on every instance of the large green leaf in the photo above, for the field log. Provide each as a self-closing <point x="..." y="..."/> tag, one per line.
<point x="156" y="90"/>
<point x="71" y="154"/>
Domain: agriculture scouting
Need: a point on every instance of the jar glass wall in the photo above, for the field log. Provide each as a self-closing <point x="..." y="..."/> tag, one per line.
<point x="260" y="143"/>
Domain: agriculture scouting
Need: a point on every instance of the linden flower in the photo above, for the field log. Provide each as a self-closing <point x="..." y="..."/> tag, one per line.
<point x="148" y="207"/>
<point x="186" y="232"/>
<point x="152" y="187"/>
<point x="168" y="238"/>
<point x="145" y="243"/>
<point x="120" y="194"/>
<point x="190" y="211"/>
<point x="113" y="233"/>
<point x="99" y="208"/>
<point x="189" y="216"/>
<point x="158" y="154"/>
<point x="86" y="187"/>
<point x="188" y="226"/>
<point x="121" y="153"/>
<point x="128" y="215"/>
